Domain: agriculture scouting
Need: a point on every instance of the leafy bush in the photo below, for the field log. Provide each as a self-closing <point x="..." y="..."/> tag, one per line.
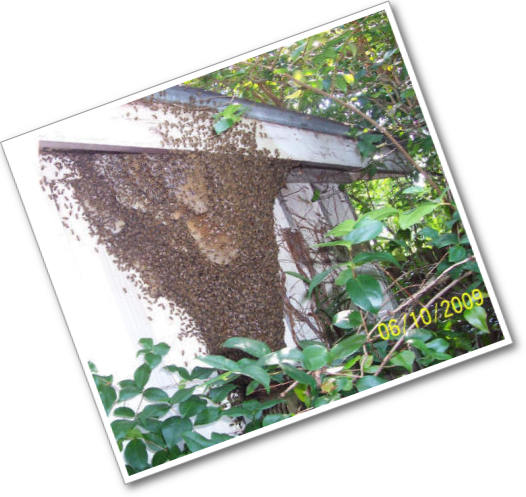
<point x="154" y="425"/>
<point x="166" y="426"/>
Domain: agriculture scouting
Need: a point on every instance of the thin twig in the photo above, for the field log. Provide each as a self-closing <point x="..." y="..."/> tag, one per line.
<point x="402" y="338"/>
<point x="424" y="289"/>
<point x="372" y="122"/>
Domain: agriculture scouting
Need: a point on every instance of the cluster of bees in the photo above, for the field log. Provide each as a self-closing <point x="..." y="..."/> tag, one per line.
<point x="192" y="223"/>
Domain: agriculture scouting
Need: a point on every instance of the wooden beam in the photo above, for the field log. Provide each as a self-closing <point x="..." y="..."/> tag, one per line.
<point x="132" y="128"/>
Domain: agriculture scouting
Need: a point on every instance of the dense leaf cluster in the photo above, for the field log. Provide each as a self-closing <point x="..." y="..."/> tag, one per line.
<point x="359" y="63"/>
<point x="165" y="424"/>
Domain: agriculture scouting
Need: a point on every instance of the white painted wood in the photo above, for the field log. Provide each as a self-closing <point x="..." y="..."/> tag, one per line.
<point x="308" y="219"/>
<point x="135" y="125"/>
<point x="295" y="289"/>
<point x="334" y="203"/>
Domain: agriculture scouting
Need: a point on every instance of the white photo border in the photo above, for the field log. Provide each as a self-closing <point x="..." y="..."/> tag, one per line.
<point x="383" y="7"/>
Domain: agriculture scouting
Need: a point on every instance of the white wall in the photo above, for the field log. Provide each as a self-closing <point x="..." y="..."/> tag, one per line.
<point x="58" y="60"/>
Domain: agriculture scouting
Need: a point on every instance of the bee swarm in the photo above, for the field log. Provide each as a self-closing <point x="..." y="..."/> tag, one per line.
<point x="195" y="222"/>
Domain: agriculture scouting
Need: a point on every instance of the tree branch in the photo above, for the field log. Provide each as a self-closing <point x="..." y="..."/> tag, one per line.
<point x="402" y="338"/>
<point x="372" y="122"/>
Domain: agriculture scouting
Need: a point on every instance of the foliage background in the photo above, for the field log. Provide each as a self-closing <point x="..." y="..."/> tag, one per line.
<point x="355" y="74"/>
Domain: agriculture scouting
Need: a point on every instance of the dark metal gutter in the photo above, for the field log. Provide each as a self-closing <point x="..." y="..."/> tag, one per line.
<point x="261" y="112"/>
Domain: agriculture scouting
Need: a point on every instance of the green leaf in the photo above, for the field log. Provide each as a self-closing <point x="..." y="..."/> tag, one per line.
<point x="299" y="276"/>
<point x="342" y="229"/>
<point x="364" y="257"/>
<point x="155" y="410"/>
<point x="121" y="427"/>
<point x="343" y="383"/>
<point x="298" y="51"/>
<point x="457" y="253"/>
<point x="127" y="384"/>
<point x="366" y="293"/>
<point x="136" y="456"/>
<point x="192" y="406"/>
<point x="428" y="232"/>
<point x="102" y="380"/>
<point x="340" y="82"/>
<point x="438" y="345"/>
<point x="476" y="317"/>
<point x="223" y="124"/>
<point x="366" y="229"/>
<point x="146" y="343"/>
<point x="174" y="452"/>
<point x="404" y="359"/>
<point x="351" y="362"/>
<point x="324" y="56"/>
<point x="413" y="189"/>
<point x="255" y="372"/>
<point x="287" y="355"/>
<point x="219" y="394"/>
<point x="299" y="376"/>
<point x="273" y="418"/>
<point x="108" y="396"/>
<point x="315" y="357"/>
<point x="382" y="213"/>
<point x="237" y="411"/>
<point x="208" y="415"/>
<point x="219" y="362"/>
<point x="142" y="375"/>
<point x="160" y="457"/>
<point x="181" y="395"/>
<point x="195" y="441"/>
<point x="173" y="428"/>
<point x="124" y="412"/>
<point x="152" y="425"/>
<point x="347" y="347"/>
<point x="152" y="359"/>
<point x="366" y="143"/>
<point x="248" y="345"/>
<point x="368" y="382"/>
<point x="341" y="320"/>
<point x="219" y="437"/>
<point x="182" y="372"/>
<point x="318" y="278"/>
<point x="445" y="239"/>
<point x="343" y="277"/>
<point x="154" y="441"/>
<point x="156" y="394"/>
<point x="335" y="243"/>
<point x="251" y="387"/>
<point x="419" y="334"/>
<point x="355" y="318"/>
<point x="161" y="349"/>
<point x="303" y="395"/>
<point x="315" y="196"/>
<point x="92" y="367"/>
<point x="256" y="407"/>
<point x="199" y="373"/>
<point x="129" y="392"/>
<point x="413" y="216"/>
<point x="321" y="401"/>
<point x="234" y="111"/>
